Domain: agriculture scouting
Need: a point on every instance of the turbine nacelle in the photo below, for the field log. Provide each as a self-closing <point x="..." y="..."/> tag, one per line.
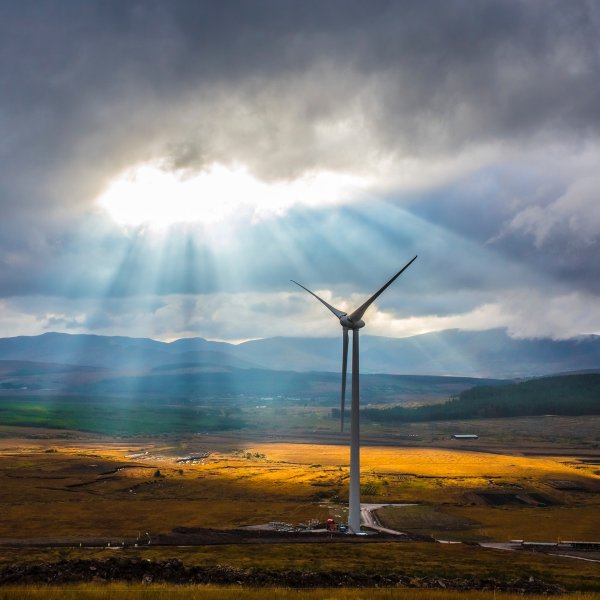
<point x="348" y="323"/>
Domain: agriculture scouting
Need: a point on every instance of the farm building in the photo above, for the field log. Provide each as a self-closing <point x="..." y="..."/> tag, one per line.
<point x="465" y="436"/>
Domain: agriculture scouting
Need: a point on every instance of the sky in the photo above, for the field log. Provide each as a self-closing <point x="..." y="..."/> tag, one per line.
<point x="166" y="167"/>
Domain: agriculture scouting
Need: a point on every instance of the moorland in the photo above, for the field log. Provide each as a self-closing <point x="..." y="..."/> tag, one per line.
<point x="70" y="495"/>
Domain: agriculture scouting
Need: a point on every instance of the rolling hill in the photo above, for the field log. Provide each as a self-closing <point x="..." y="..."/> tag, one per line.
<point x="202" y="381"/>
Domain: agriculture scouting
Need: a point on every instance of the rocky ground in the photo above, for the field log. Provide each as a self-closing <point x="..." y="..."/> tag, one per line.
<point x="176" y="572"/>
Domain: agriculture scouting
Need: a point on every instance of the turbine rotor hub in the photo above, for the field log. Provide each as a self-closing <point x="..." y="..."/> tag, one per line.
<point x="348" y="323"/>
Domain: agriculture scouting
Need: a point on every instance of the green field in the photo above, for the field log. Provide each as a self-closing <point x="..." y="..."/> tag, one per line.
<point x="115" y="416"/>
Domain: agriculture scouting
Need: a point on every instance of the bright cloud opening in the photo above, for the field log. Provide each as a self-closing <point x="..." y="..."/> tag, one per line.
<point x="150" y="195"/>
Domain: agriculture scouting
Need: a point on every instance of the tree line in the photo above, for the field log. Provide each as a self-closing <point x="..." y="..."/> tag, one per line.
<point x="559" y="395"/>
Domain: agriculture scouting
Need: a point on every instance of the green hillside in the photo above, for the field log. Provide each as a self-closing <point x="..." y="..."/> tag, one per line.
<point x="560" y="395"/>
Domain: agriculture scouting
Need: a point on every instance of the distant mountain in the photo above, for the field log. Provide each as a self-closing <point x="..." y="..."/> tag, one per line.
<point x="489" y="353"/>
<point x="116" y="352"/>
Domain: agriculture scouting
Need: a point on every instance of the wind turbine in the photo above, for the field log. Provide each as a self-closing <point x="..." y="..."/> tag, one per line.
<point x="354" y="322"/>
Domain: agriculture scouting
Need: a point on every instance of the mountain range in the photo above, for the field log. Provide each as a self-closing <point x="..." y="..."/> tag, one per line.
<point x="489" y="354"/>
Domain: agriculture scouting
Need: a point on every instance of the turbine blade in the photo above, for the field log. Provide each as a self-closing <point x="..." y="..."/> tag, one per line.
<point x="344" y="370"/>
<point x="360" y="311"/>
<point x="335" y="311"/>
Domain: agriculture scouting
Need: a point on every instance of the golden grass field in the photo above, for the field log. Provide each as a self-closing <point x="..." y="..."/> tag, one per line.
<point x="184" y="592"/>
<point x="98" y="489"/>
<point x="53" y="489"/>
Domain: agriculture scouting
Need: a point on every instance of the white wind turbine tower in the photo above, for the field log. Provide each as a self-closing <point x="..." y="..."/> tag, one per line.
<point x="354" y="322"/>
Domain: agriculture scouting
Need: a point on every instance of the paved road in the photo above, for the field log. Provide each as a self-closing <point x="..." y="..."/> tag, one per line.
<point x="516" y="547"/>
<point x="513" y="547"/>
<point x="369" y="519"/>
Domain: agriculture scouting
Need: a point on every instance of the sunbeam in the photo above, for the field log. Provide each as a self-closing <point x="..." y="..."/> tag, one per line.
<point x="153" y="195"/>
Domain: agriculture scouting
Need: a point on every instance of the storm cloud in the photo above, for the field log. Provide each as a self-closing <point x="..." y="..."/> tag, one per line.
<point x="475" y="125"/>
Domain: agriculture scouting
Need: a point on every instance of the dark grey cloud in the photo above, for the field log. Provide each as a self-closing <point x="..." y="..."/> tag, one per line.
<point x="424" y="78"/>
<point x="491" y="107"/>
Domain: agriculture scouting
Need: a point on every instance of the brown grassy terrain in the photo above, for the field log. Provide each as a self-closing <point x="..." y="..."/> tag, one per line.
<point x="86" y="487"/>
<point x="533" y="524"/>
<point x="71" y="493"/>
<point x="108" y="490"/>
<point x="413" y="559"/>
<point x="543" y="433"/>
<point x="498" y="523"/>
<point x="168" y="592"/>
